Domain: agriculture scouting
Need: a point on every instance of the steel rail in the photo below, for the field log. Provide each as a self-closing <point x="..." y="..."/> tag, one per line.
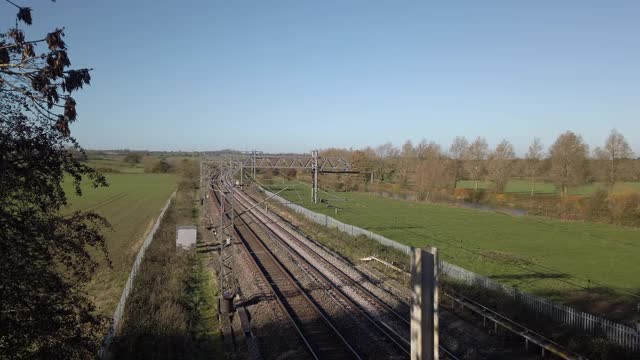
<point x="268" y="283"/>
<point x="392" y="335"/>
<point x="396" y="338"/>
<point x="292" y="234"/>
<point x="312" y="333"/>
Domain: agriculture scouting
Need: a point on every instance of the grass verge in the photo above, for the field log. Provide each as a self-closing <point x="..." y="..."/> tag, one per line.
<point x="171" y="312"/>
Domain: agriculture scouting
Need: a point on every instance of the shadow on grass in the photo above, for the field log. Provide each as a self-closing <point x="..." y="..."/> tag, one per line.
<point x="207" y="248"/>
<point x="600" y="301"/>
<point x="143" y="344"/>
<point x="530" y="276"/>
<point x="393" y="227"/>
<point x="594" y="345"/>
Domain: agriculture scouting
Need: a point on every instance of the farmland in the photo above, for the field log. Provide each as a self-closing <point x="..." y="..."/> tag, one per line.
<point x="530" y="253"/>
<point x="131" y="203"/>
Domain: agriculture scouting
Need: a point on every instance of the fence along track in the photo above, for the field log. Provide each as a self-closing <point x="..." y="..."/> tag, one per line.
<point x="315" y="329"/>
<point x="617" y="333"/>
<point x="528" y="335"/>
<point x="118" y="313"/>
<point x="391" y="316"/>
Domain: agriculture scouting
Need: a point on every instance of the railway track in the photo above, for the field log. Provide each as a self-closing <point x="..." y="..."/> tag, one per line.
<point x="387" y="321"/>
<point x="320" y="336"/>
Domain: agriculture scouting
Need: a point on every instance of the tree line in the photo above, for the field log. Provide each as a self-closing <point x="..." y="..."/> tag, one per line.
<point x="428" y="168"/>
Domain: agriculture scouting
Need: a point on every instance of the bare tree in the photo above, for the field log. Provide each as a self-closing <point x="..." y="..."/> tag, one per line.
<point x="616" y="149"/>
<point x="387" y="161"/>
<point x="533" y="160"/>
<point x="634" y="171"/>
<point x="359" y="160"/>
<point x="406" y="162"/>
<point x="475" y="160"/>
<point x="568" y="161"/>
<point x="386" y="150"/>
<point x="407" y="149"/>
<point x="500" y="164"/>
<point x="430" y="172"/>
<point x="457" y="152"/>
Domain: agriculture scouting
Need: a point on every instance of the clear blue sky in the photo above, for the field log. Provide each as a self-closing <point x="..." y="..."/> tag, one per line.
<point x="296" y="75"/>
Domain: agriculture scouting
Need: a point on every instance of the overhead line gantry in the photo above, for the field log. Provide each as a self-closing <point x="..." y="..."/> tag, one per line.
<point x="314" y="162"/>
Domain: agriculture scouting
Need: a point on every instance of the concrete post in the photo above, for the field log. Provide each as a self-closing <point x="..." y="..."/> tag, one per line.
<point x="424" y="304"/>
<point x="315" y="185"/>
<point x="314" y="179"/>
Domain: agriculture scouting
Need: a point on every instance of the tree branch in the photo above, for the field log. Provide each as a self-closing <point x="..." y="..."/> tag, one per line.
<point x="14" y="4"/>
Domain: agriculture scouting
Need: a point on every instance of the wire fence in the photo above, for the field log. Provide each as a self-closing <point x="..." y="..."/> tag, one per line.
<point x="116" y="321"/>
<point x="623" y="335"/>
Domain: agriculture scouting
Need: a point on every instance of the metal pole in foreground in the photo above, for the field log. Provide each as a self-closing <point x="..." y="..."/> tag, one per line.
<point x="424" y="304"/>
<point x="314" y="181"/>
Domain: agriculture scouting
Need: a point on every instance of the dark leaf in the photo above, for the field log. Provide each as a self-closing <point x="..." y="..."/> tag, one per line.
<point x="54" y="40"/>
<point x="4" y="55"/>
<point x="17" y="36"/>
<point x="75" y="79"/>
<point x="57" y="61"/>
<point x="28" y="52"/>
<point x="24" y="15"/>
<point x="63" y="126"/>
<point x="70" y="109"/>
<point x="51" y="92"/>
<point x="40" y="82"/>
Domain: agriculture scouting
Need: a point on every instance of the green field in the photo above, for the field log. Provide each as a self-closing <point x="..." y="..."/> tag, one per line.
<point x="116" y="164"/>
<point x="131" y="203"/>
<point x="538" y="255"/>
<point x="545" y="188"/>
